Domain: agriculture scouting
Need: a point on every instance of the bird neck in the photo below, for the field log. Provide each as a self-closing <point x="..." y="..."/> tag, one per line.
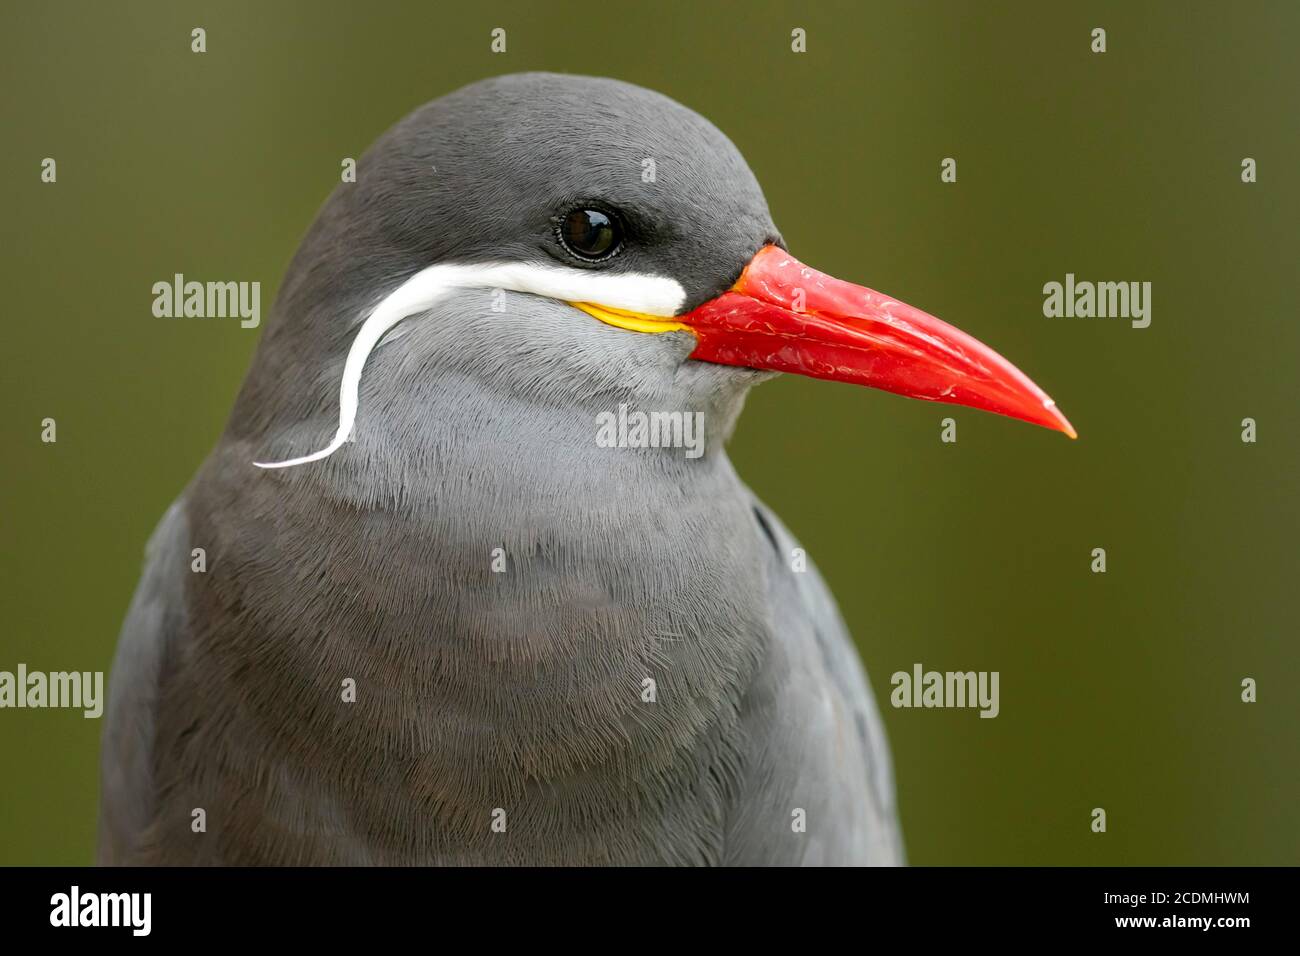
<point x="529" y="618"/>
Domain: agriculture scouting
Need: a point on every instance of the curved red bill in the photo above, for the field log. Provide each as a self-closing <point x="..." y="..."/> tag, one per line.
<point x="784" y="316"/>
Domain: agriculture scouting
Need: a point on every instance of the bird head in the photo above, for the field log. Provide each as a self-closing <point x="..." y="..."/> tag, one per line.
<point x="567" y="236"/>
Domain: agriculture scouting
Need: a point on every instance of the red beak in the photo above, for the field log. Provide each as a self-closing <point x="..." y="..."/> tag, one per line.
<point x="785" y="317"/>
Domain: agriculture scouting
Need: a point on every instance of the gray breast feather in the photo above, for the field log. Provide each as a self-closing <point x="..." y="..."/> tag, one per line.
<point x="812" y="744"/>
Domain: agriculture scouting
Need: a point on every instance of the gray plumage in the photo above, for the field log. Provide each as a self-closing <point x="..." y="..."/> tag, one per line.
<point x="477" y="691"/>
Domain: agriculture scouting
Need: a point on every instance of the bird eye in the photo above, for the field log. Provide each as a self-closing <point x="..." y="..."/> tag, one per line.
<point x="590" y="233"/>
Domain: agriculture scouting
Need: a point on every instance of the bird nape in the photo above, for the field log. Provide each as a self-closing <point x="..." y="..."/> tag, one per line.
<point x="447" y="619"/>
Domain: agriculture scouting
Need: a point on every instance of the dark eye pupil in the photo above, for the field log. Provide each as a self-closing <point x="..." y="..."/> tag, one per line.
<point x="590" y="233"/>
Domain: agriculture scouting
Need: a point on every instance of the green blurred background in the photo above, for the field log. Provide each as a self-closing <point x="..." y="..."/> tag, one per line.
<point x="1119" y="690"/>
